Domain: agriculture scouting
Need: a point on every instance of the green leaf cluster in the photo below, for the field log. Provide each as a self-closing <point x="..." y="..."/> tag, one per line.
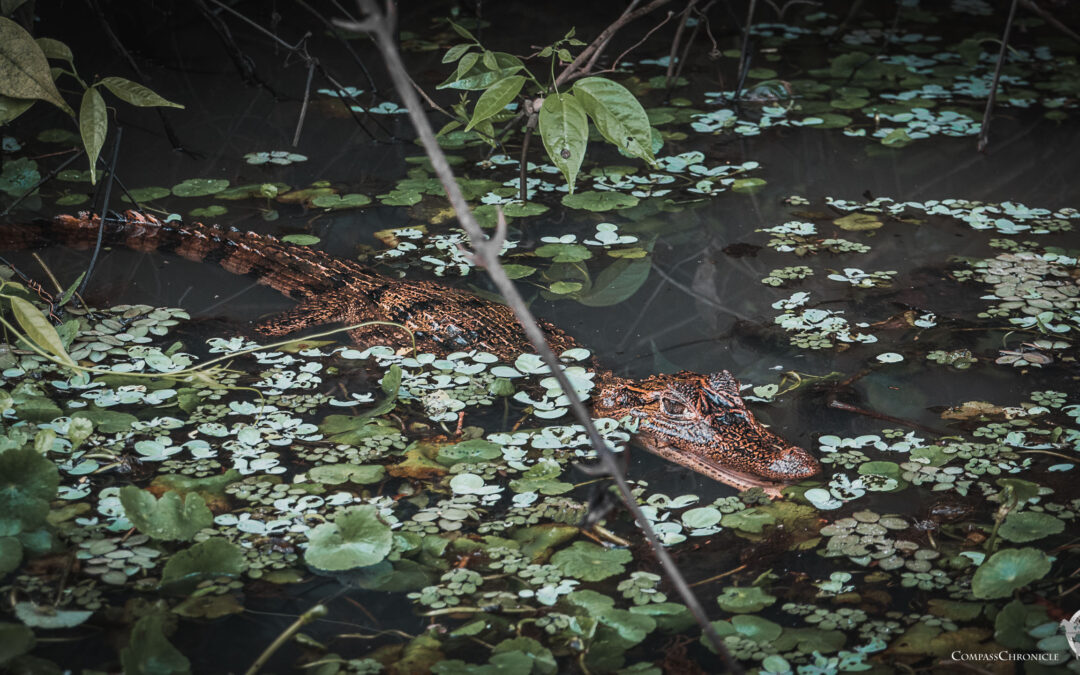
<point x="25" y="77"/>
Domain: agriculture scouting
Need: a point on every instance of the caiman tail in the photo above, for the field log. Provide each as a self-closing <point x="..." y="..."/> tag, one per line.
<point x="296" y="271"/>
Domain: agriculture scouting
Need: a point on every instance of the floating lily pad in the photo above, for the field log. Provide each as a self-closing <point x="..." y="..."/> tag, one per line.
<point x="355" y="538"/>
<point x="348" y="201"/>
<point x="593" y="200"/>
<point x="743" y="599"/>
<point x="168" y="518"/>
<point x="27" y="482"/>
<point x="215" y="557"/>
<point x="336" y="474"/>
<point x="1008" y="570"/>
<point x="1025" y="526"/>
<point x="301" y="239"/>
<point x="589" y="562"/>
<point x="199" y="187"/>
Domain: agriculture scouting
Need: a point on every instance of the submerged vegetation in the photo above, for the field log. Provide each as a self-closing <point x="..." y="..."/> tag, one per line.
<point x="409" y="512"/>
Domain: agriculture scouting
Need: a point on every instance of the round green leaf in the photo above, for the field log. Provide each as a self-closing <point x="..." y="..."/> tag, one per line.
<point x="27" y="482"/>
<point x="168" y="518"/>
<point x="215" y="557"/>
<point x="1025" y="526"/>
<point x="1008" y="570"/>
<point x="15" y="640"/>
<point x="356" y="538"/>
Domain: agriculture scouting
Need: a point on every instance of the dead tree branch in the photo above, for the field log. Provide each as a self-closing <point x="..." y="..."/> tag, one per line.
<point x="486" y="252"/>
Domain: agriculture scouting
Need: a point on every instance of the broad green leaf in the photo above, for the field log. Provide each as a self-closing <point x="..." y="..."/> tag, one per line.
<point x="618" y="116"/>
<point x="355" y="538"/>
<point x="167" y="518"/>
<point x="474" y="451"/>
<point x="149" y="653"/>
<point x="24" y="70"/>
<point x="38" y="329"/>
<point x="334" y="201"/>
<point x="495" y="99"/>
<point x="564" y="129"/>
<point x="146" y="194"/>
<point x="10" y="108"/>
<point x="54" y="49"/>
<point x="93" y="126"/>
<point x="135" y="94"/>
<point x="301" y="239"/>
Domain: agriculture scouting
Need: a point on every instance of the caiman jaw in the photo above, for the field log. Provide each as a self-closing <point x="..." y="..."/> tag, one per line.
<point x="702" y="423"/>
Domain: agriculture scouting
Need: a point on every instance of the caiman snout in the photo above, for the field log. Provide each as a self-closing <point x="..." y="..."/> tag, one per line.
<point x="791" y="464"/>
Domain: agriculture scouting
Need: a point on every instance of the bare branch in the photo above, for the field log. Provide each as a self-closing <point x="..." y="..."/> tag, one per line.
<point x="590" y="53"/>
<point x="984" y="132"/>
<point x="488" y="256"/>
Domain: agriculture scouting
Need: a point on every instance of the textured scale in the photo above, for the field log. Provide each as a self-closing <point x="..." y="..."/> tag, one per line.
<point x="698" y="421"/>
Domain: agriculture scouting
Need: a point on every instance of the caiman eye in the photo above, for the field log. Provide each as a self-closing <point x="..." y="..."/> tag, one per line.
<point x="673" y="408"/>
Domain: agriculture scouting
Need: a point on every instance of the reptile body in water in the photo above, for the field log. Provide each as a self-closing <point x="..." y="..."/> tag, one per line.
<point x="698" y="421"/>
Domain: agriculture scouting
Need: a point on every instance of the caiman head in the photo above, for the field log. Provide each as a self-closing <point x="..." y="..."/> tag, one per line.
<point x="701" y="422"/>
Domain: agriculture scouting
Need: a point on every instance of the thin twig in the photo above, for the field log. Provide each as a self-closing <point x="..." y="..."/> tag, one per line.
<point x="104" y="210"/>
<point x="744" y="53"/>
<point x="304" y="105"/>
<point x="486" y="252"/>
<point x="316" y="612"/>
<point x="672" y="53"/>
<point x="984" y="132"/>
<point x="523" y="181"/>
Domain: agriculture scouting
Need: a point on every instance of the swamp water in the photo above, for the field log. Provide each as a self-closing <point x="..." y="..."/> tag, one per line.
<point x="833" y="236"/>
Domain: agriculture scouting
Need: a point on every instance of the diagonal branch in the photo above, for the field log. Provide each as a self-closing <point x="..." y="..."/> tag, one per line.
<point x="486" y="251"/>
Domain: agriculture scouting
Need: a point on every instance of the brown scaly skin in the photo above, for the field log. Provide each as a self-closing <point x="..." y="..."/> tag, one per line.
<point x="698" y="421"/>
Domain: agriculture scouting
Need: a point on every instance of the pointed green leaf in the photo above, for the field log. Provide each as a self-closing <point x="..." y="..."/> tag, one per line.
<point x="93" y="125"/>
<point x="135" y="94"/>
<point x="24" y="70"/>
<point x="495" y="99"/>
<point x="461" y="30"/>
<point x="564" y="129"/>
<point x="618" y="116"/>
<point x="456" y="52"/>
<point x="38" y="329"/>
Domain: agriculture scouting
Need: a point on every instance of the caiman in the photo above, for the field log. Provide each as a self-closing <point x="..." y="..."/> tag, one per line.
<point x="698" y="421"/>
